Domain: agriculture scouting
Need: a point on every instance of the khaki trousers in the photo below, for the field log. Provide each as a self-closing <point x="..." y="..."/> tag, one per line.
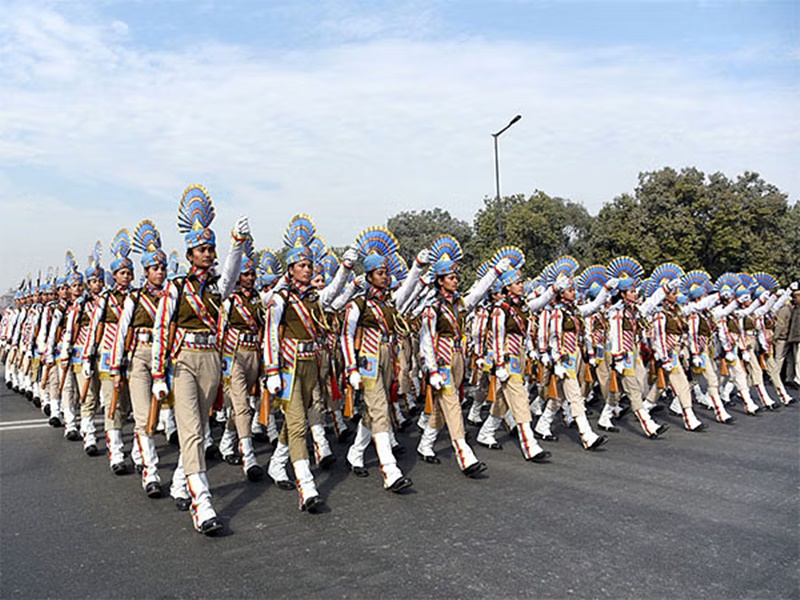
<point x="676" y="379"/>
<point x="140" y="385"/>
<point x="755" y="376"/>
<point x="376" y="417"/>
<point x="195" y="386"/>
<point x="244" y="375"/>
<point x="295" y="425"/>
<point x="447" y="405"/>
<point x="123" y="404"/>
<point x="515" y="395"/>
<point x="570" y="390"/>
<point x="92" y="400"/>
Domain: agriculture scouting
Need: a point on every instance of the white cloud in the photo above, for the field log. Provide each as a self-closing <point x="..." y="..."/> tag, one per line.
<point x="349" y="134"/>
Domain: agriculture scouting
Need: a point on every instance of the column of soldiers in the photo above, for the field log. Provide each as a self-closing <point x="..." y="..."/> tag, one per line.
<point x="281" y="348"/>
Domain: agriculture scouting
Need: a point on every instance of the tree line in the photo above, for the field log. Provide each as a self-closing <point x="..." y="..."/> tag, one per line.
<point x="697" y="221"/>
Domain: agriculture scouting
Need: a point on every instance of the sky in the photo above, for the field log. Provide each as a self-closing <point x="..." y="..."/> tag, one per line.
<point x="353" y="111"/>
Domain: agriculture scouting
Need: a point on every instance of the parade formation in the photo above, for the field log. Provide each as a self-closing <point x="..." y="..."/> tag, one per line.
<point x="291" y="349"/>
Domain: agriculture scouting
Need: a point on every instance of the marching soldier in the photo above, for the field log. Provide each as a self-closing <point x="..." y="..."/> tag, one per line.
<point x="132" y="352"/>
<point x="186" y="344"/>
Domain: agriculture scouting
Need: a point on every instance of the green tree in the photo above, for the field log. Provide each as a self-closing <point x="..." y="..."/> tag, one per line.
<point x="543" y="227"/>
<point x="416" y="230"/>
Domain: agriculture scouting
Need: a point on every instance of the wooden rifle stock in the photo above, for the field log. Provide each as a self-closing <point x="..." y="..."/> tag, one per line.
<point x="152" y="415"/>
<point x="428" y="399"/>
<point x="614" y="385"/>
<point x="552" y="390"/>
<point x="491" y="393"/>
<point x="264" y="409"/>
<point x="348" y="402"/>
<point x="64" y="372"/>
<point x="112" y="407"/>
<point x="85" y="390"/>
<point x="662" y="381"/>
<point x="723" y="367"/>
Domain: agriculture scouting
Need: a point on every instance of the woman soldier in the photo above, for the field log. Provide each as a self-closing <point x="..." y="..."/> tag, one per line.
<point x="186" y="333"/>
<point x="440" y="340"/>
<point x="294" y="330"/>
<point x="509" y="339"/>
<point x="371" y="323"/>
<point x="669" y="327"/>
<point x="132" y="355"/>
<point x="241" y="368"/>
<point x="567" y="331"/>
<point x="102" y="334"/>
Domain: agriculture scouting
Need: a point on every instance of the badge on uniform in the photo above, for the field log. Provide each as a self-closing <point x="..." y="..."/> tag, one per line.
<point x="287" y="380"/>
<point x="446" y="377"/>
<point x="514" y="366"/>
<point x="105" y="362"/>
<point x="627" y="364"/>
<point x="368" y="366"/>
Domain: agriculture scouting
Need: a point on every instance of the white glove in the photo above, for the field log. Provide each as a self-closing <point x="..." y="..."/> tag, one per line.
<point x="593" y="361"/>
<point x="746" y="356"/>
<point x="349" y="257"/>
<point x="673" y="284"/>
<point x="160" y="389"/>
<point x="697" y="362"/>
<point x="612" y="283"/>
<point x="86" y="370"/>
<point x="361" y="280"/>
<point x="241" y="229"/>
<point x="730" y="356"/>
<point x="354" y="379"/>
<point x="533" y="355"/>
<point x="544" y="358"/>
<point x="793" y="286"/>
<point x="48" y="359"/>
<point x="619" y="367"/>
<point x="559" y="370"/>
<point x="436" y="381"/>
<point x="562" y="283"/>
<point x="479" y="364"/>
<point x="503" y="265"/>
<point x="502" y="374"/>
<point x="423" y="257"/>
<point x="274" y="384"/>
<point x="668" y="367"/>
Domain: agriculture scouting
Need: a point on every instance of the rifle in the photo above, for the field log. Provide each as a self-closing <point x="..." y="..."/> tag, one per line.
<point x="614" y="386"/>
<point x="552" y="390"/>
<point x="152" y="416"/>
<point x="85" y="390"/>
<point x="112" y="407"/>
<point x="155" y="403"/>
<point x="474" y="366"/>
<point x="348" y="402"/>
<point x="428" y="398"/>
<point x="264" y="409"/>
<point x="491" y="393"/>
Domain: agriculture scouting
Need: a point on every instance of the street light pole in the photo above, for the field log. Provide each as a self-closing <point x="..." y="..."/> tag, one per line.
<point x="497" y="180"/>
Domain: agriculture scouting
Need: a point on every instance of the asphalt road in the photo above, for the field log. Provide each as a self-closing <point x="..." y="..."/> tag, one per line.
<point x="694" y="515"/>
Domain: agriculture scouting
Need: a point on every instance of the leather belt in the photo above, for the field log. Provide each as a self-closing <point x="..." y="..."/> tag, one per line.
<point x="144" y="336"/>
<point x="248" y="338"/>
<point x="306" y="347"/>
<point x="201" y="337"/>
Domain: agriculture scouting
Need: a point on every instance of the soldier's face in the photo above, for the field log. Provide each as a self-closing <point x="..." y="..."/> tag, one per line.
<point x="156" y="274"/>
<point x="516" y="288"/>
<point x="75" y="290"/>
<point x="302" y="271"/>
<point x="95" y="285"/>
<point x="449" y="282"/>
<point x="379" y="278"/>
<point x="202" y="257"/>
<point x="247" y="280"/>
<point x="123" y="277"/>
